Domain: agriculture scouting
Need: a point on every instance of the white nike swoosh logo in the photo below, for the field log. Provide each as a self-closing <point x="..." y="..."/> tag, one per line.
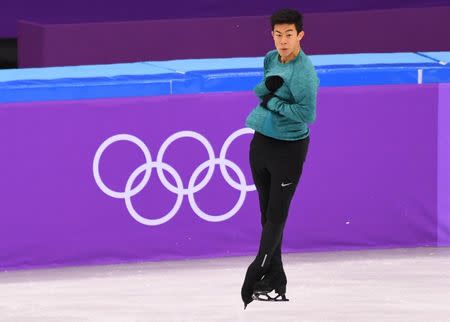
<point x="285" y="184"/>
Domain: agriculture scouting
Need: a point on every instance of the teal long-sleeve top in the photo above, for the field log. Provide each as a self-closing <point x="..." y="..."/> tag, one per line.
<point x="289" y="113"/>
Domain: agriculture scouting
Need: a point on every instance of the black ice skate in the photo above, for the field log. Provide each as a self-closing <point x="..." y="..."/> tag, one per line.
<point x="253" y="275"/>
<point x="272" y="288"/>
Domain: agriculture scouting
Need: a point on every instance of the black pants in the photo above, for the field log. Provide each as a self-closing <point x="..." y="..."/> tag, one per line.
<point x="276" y="168"/>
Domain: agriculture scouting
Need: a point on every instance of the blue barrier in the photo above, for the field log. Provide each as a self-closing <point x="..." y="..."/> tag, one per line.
<point x="212" y="75"/>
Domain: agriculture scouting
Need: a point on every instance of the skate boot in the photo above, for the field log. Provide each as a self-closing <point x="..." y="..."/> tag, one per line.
<point x="254" y="274"/>
<point x="271" y="288"/>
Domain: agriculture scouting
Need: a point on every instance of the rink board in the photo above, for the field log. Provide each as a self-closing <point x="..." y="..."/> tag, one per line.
<point x="371" y="178"/>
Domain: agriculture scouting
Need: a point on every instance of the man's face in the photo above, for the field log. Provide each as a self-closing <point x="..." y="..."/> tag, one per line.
<point x="287" y="40"/>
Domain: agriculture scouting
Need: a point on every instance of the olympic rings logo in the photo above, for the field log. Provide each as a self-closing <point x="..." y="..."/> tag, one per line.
<point x="179" y="189"/>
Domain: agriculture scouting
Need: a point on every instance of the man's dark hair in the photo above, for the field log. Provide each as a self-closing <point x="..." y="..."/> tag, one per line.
<point x="287" y="16"/>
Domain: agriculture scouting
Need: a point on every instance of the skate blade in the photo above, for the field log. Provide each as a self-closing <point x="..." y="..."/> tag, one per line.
<point x="265" y="297"/>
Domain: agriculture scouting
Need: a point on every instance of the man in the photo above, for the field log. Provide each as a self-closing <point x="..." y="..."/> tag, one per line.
<point x="279" y="147"/>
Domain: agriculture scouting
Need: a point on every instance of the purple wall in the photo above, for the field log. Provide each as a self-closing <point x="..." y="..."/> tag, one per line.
<point x="326" y="33"/>
<point x="381" y="31"/>
<point x="444" y="165"/>
<point x="369" y="179"/>
<point x="100" y="10"/>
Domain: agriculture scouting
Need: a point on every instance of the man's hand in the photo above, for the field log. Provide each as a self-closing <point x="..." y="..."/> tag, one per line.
<point x="273" y="83"/>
